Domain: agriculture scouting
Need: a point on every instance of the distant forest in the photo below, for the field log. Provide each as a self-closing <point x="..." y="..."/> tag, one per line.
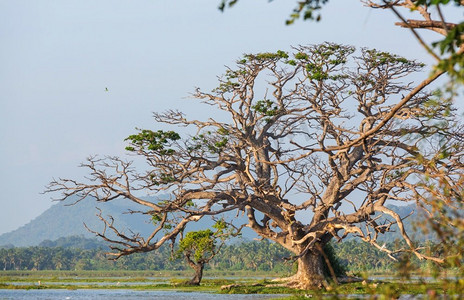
<point x="78" y="253"/>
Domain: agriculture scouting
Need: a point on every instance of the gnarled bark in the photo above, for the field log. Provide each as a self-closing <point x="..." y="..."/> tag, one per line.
<point x="198" y="268"/>
<point x="310" y="272"/>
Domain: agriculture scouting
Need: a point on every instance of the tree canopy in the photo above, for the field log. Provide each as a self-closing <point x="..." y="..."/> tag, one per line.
<point x="288" y="148"/>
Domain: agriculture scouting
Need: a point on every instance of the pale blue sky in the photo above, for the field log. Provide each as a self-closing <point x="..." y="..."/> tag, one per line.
<point x="58" y="56"/>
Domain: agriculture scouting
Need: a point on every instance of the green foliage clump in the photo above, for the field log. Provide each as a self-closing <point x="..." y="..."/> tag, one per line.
<point x="316" y="72"/>
<point x="199" y="244"/>
<point x="148" y="140"/>
<point x="267" y="56"/>
<point x="325" y="61"/>
<point x="266" y="108"/>
<point x="210" y="141"/>
<point x="156" y="218"/>
<point x="454" y="65"/>
<point x="380" y="58"/>
<point x="306" y="10"/>
<point x="222" y="131"/>
<point x="229" y="82"/>
<point x="436" y="2"/>
<point x="301" y="56"/>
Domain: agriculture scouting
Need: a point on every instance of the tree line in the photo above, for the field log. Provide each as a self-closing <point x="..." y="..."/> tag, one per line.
<point x="253" y="256"/>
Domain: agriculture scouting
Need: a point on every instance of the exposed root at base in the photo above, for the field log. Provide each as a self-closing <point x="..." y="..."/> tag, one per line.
<point x="284" y="279"/>
<point x="296" y="282"/>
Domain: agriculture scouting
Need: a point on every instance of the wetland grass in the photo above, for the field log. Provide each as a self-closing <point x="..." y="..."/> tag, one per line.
<point x="142" y="280"/>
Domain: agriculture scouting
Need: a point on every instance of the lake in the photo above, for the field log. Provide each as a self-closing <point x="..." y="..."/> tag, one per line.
<point x="6" y="294"/>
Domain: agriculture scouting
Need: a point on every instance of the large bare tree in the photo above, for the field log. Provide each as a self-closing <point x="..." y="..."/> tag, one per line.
<point x="287" y="148"/>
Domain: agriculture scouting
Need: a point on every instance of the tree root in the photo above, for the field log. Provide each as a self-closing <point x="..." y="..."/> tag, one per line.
<point x="297" y="283"/>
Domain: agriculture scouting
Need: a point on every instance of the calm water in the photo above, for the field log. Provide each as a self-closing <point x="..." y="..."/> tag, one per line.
<point x="120" y="294"/>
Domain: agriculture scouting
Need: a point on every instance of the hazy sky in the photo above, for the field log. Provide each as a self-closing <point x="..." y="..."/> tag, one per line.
<point x="57" y="57"/>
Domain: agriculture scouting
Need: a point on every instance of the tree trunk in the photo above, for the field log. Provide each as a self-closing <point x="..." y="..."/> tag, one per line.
<point x="198" y="268"/>
<point x="310" y="272"/>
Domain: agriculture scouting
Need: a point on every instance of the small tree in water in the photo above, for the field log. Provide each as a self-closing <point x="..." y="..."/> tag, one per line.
<point x="291" y="148"/>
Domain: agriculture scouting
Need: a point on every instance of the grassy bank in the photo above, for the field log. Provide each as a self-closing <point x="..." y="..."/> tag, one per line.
<point x="147" y="280"/>
<point x="238" y="282"/>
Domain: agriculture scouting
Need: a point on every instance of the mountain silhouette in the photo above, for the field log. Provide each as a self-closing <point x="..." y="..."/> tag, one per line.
<point x="65" y="220"/>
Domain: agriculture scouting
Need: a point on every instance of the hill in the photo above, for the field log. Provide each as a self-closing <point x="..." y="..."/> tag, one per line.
<point x="75" y="242"/>
<point x="65" y="220"/>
